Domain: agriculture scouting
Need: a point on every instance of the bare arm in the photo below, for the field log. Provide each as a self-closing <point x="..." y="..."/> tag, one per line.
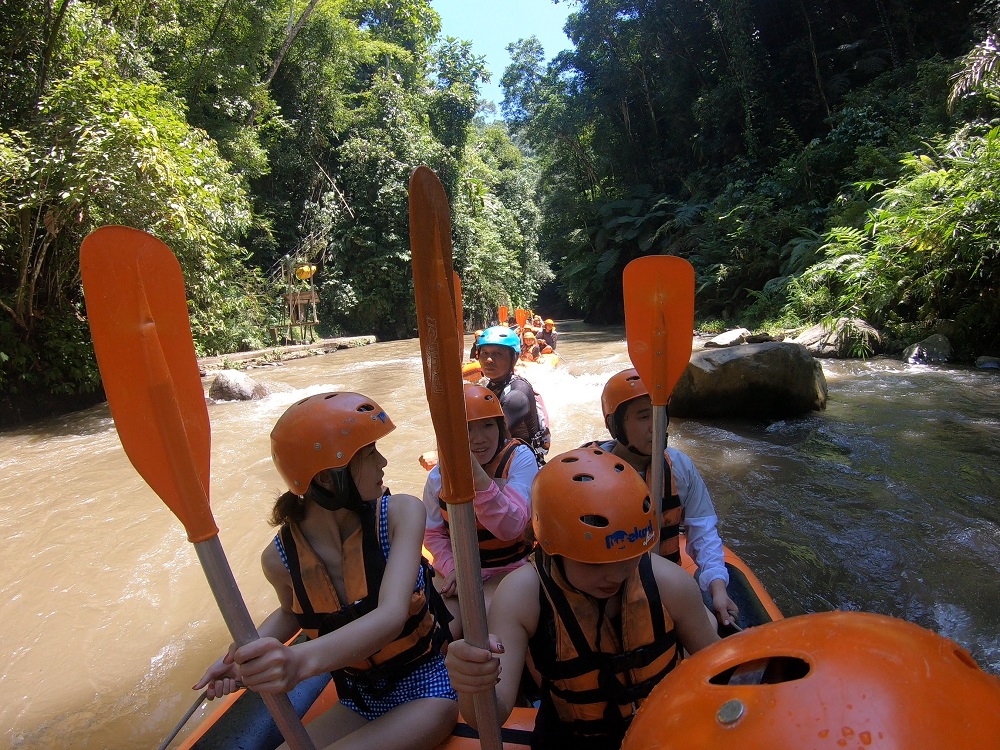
<point x="682" y="598"/>
<point x="268" y="665"/>
<point x="513" y="618"/>
<point x="221" y="677"/>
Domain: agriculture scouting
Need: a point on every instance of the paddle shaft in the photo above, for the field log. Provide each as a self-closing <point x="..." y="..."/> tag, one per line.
<point x="469" y="586"/>
<point x="656" y="474"/>
<point x="210" y="553"/>
<point x="430" y="243"/>
<point x="184" y="720"/>
<point x="234" y="612"/>
<point x="138" y="316"/>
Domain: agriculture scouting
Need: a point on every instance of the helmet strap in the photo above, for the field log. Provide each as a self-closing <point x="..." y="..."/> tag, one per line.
<point x="500" y="383"/>
<point x="344" y="496"/>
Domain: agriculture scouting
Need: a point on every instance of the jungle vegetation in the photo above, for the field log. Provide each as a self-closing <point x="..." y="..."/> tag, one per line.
<point x="811" y="159"/>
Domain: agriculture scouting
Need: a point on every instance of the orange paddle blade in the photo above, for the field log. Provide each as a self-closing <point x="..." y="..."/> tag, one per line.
<point x="430" y="246"/>
<point x="659" y="320"/>
<point x="138" y="315"/>
<point x="521" y="316"/>
<point x="502" y="313"/>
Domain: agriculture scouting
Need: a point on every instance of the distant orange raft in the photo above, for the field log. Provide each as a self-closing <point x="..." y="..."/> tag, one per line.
<point x="241" y="721"/>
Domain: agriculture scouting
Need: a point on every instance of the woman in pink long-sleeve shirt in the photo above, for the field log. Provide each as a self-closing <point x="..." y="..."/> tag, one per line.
<point x="503" y="469"/>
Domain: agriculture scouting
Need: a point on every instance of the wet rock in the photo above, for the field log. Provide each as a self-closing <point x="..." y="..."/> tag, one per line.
<point x="846" y="337"/>
<point x="761" y="338"/>
<point x="933" y="350"/>
<point x="771" y="380"/>
<point x="729" y="338"/>
<point x="233" y="385"/>
<point x="988" y="363"/>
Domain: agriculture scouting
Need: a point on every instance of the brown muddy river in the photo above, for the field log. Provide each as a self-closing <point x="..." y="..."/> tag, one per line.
<point x="885" y="502"/>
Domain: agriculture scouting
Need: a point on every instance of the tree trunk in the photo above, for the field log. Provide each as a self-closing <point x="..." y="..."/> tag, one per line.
<point x="815" y="61"/>
<point x="51" y="40"/>
<point x="279" y="58"/>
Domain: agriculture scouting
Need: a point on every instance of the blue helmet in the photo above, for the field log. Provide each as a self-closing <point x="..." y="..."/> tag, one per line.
<point x="500" y="336"/>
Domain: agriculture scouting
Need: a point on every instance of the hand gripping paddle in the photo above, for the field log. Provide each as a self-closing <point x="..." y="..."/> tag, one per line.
<point x="430" y="246"/>
<point x="138" y="315"/>
<point x="659" y="328"/>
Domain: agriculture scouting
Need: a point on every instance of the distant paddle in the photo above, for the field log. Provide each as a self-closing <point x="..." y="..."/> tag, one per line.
<point x="430" y="246"/>
<point x="521" y="316"/>
<point x="659" y="328"/>
<point x="502" y="314"/>
<point x="138" y="315"/>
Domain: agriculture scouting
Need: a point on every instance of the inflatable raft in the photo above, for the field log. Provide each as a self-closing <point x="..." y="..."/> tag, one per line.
<point x="240" y="721"/>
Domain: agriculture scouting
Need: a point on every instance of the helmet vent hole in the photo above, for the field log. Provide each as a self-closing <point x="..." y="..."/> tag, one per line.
<point x="966" y="659"/>
<point x="599" y="522"/>
<point x="768" y="671"/>
<point x="328" y="396"/>
<point x="569" y="460"/>
<point x="646" y="504"/>
<point x="619" y="468"/>
<point x="366" y="407"/>
<point x="583" y="477"/>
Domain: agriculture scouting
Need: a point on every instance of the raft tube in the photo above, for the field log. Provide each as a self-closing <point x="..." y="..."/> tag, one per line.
<point x="240" y="721"/>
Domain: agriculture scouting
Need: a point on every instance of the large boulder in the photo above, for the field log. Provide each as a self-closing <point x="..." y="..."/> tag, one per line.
<point x="933" y="350"/>
<point x="729" y="338"/>
<point x="988" y="363"/>
<point x="845" y="337"/>
<point x="233" y="385"/>
<point x="772" y="380"/>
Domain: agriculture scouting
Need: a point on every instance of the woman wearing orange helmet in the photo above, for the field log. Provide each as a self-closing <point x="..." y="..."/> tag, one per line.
<point x="503" y="469"/>
<point x="347" y="569"/>
<point x="628" y="414"/>
<point x="529" y="347"/>
<point x="597" y="620"/>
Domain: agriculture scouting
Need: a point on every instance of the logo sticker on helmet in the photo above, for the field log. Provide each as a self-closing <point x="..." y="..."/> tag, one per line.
<point x="621" y="537"/>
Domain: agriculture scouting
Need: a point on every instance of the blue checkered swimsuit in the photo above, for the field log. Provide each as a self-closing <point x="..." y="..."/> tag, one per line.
<point x="428" y="678"/>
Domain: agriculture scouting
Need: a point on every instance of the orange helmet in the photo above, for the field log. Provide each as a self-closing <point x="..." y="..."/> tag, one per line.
<point x="621" y="388"/>
<point x="472" y="371"/>
<point x="834" y="680"/>
<point x="324" y="432"/>
<point x="480" y="403"/>
<point x="592" y="507"/>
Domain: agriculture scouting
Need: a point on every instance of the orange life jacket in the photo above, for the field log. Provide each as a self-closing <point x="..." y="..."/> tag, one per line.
<point x="594" y="673"/>
<point x="319" y="610"/>
<point x="672" y="515"/>
<point x="493" y="552"/>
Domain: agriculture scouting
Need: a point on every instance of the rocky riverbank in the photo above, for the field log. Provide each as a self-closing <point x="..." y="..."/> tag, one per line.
<point x="277" y="354"/>
<point x="21" y="409"/>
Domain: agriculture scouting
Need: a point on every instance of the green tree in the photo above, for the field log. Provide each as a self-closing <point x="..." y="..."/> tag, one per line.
<point x="106" y="149"/>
